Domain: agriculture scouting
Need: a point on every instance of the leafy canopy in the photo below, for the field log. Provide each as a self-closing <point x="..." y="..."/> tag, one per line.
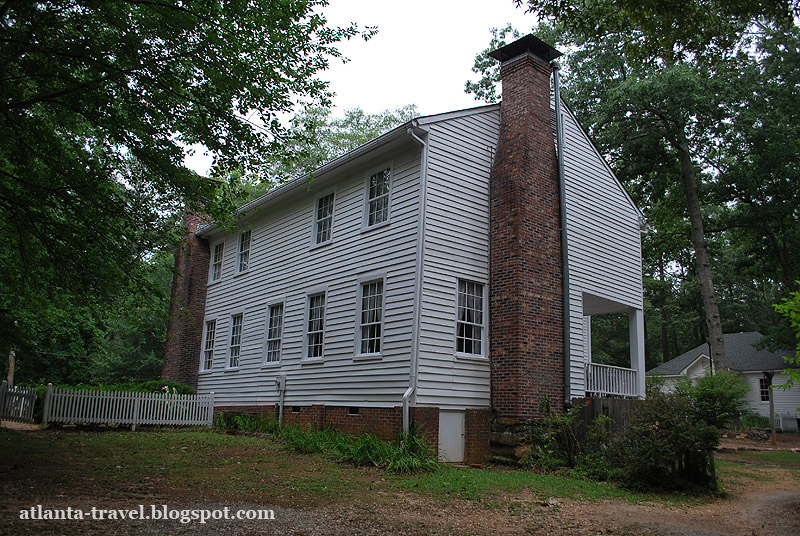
<point x="98" y="101"/>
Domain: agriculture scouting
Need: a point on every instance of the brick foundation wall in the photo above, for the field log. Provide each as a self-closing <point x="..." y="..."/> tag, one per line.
<point x="187" y="306"/>
<point x="477" y="424"/>
<point x="525" y="290"/>
<point x="386" y="423"/>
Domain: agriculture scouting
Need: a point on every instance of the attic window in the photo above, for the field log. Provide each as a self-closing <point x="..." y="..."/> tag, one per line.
<point x="378" y="190"/>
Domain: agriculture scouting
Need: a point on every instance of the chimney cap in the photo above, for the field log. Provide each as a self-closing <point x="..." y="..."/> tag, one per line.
<point x="529" y="43"/>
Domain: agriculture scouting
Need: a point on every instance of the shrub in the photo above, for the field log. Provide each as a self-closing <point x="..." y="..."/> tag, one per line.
<point x="751" y="419"/>
<point x="666" y="444"/>
<point x="717" y="398"/>
<point x="410" y="453"/>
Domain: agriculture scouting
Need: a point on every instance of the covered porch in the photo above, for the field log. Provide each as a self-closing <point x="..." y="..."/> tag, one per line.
<point x="608" y="380"/>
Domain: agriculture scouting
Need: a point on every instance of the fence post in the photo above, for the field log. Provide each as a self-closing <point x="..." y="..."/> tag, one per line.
<point x="211" y="409"/>
<point x="48" y="399"/>
<point x="135" y="412"/>
<point x="3" y="389"/>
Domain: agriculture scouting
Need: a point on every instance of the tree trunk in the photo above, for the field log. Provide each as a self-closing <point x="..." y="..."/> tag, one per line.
<point x="702" y="261"/>
<point x="12" y="358"/>
<point x="664" y="334"/>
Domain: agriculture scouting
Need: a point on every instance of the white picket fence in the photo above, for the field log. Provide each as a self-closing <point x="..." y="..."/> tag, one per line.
<point x="16" y="403"/>
<point x="85" y="406"/>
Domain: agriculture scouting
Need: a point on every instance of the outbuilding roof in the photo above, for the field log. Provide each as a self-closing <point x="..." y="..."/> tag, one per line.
<point x="741" y="351"/>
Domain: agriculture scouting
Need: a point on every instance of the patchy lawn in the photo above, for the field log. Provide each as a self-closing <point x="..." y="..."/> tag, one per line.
<point x="200" y="469"/>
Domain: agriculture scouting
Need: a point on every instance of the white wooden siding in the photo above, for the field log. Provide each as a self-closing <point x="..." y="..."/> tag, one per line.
<point x="784" y="401"/>
<point x="284" y="266"/>
<point x="605" y="257"/>
<point x="456" y="246"/>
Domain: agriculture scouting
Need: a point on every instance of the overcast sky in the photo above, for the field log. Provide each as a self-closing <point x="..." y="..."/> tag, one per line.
<point x="423" y="53"/>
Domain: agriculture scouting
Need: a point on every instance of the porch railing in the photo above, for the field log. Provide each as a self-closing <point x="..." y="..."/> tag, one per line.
<point x="605" y="380"/>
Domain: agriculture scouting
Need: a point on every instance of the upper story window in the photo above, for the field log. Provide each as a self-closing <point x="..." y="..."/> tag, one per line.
<point x="470" y="330"/>
<point x="378" y="189"/>
<point x="274" y="333"/>
<point x="244" y="252"/>
<point x="216" y="261"/>
<point x="323" y="219"/>
<point x="235" y="349"/>
<point x="763" y="388"/>
<point x="371" y="318"/>
<point x="208" y="344"/>
<point x="315" y="328"/>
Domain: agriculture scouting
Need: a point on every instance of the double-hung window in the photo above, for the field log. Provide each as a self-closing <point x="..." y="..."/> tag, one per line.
<point x="763" y="388"/>
<point x="315" y="328"/>
<point x="323" y="219"/>
<point x="235" y="348"/>
<point x="371" y="318"/>
<point x="274" y="333"/>
<point x="216" y="261"/>
<point x="244" y="252"/>
<point x="208" y="344"/>
<point x="470" y="318"/>
<point x="378" y="191"/>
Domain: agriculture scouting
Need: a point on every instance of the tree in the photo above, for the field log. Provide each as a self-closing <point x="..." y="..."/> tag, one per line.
<point x="324" y="137"/>
<point x="99" y="100"/>
<point x="790" y="308"/>
<point x="655" y="79"/>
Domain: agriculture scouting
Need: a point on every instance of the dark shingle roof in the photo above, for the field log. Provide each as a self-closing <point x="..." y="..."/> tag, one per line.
<point x="740" y="350"/>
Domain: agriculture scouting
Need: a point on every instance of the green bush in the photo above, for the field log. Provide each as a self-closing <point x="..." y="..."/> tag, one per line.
<point x="666" y="444"/>
<point x="717" y="398"/>
<point x="751" y="419"/>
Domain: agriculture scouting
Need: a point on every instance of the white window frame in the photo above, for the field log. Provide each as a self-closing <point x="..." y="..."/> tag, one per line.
<point x="216" y="262"/>
<point x="267" y="333"/>
<point x="362" y="282"/>
<point x="307" y="320"/>
<point x="315" y="221"/>
<point x="241" y="253"/>
<point x="204" y="362"/>
<point x="761" y="390"/>
<point x="229" y="354"/>
<point x="368" y="201"/>
<point x="483" y="325"/>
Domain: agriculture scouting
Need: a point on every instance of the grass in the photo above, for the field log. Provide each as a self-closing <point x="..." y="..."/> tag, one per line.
<point x="451" y="482"/>
<point x="766" y="456"/>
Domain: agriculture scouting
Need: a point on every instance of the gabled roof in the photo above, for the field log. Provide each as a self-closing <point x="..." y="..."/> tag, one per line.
<point x="740" y="350"/>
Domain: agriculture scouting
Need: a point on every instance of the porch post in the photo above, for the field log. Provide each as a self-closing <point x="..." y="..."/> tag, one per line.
<point x="636" y="331"/>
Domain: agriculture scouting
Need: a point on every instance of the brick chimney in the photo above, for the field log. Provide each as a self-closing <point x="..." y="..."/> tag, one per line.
<point x="525" y="290"/>
<point x="187" y="305"/>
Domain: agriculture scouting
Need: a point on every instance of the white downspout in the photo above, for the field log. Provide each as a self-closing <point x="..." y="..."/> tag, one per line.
<point x="423" y="193"/>
<point x="280" y="385"/>
<point x="564" y="236"/>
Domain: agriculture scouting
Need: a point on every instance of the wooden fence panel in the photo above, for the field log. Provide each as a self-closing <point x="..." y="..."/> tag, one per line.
<point x="85" y="406"/>
<point x="17" y="403"/>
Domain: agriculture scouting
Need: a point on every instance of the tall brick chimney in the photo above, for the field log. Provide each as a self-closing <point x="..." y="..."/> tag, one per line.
<point x="525" y="290"/>
<point x="187" y="305"/>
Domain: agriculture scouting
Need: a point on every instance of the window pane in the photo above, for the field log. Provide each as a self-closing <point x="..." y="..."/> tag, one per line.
<point x="469" y="318"/>
<point x="274" y="331"/>
<point x="371" y="317"/>
<point x="316" y="325"/>
<point x="324" y="219"/>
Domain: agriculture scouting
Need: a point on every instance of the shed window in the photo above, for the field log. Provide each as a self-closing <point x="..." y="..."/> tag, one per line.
<point x="763" y="387"/>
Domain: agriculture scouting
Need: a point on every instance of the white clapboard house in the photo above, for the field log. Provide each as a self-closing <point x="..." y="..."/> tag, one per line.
<point x="420" y="280"/>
